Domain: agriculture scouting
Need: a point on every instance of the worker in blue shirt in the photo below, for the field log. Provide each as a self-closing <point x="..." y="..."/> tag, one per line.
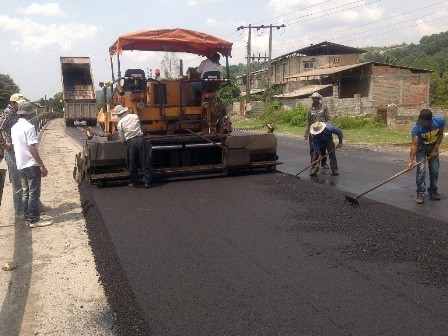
<point x="322" y="139"/>
<point x="427" y="135"/>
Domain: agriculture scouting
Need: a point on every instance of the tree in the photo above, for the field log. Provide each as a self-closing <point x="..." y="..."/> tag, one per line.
<point x="170" y="66"/>
<point x="7" y="88"/>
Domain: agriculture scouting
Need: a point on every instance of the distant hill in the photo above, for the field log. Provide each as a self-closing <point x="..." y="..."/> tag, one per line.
<point x="431" y="53"/>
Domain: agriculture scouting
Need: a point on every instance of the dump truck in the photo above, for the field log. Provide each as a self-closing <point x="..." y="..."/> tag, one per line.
<point x="78" y="91"/>
<point x="186" y="138"/>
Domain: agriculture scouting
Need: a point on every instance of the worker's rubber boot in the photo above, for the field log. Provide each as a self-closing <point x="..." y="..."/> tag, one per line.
<point x="313" y="171"/>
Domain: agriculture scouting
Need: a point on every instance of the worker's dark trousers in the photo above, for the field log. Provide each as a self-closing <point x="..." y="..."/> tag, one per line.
<point x="139" y="154"/>
<point x="323" y="161"/>
<point x="328" y="146"/>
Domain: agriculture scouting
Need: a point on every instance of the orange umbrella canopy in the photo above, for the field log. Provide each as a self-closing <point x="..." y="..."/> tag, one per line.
<point x="171" y="40"/>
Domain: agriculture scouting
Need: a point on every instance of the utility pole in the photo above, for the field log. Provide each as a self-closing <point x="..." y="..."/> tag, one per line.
<point x="248" y="67"/>
<point x="250" y="27"/>
<point x="268" y="89"/>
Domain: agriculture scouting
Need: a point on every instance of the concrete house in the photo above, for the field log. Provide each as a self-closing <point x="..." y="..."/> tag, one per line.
<point x="288" y="67"/>
<point x="364" y="88"/>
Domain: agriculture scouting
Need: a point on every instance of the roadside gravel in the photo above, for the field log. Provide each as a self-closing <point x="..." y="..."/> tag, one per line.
<point x="53" y="288"/>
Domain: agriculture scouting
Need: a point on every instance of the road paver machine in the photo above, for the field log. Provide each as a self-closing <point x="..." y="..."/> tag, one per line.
<point x="186" y="137"/>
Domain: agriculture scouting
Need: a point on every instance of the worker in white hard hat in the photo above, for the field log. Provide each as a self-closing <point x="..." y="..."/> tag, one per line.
<point x="138" y="149"/>
<point x="317" y="112"/>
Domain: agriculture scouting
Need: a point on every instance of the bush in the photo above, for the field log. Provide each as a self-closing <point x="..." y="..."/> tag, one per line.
<point x="297" y="116"/>
<point x="347" y="122"/>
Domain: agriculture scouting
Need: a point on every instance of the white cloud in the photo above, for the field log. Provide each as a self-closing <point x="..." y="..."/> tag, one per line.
<point x="212" y="22"/>
<point x="198" y="2"/>
<point x="49" y="9"/>
<point x="29" y="36"/>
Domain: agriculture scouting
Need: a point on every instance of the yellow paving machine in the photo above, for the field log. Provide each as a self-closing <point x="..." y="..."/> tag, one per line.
<point x="186" y="137"/>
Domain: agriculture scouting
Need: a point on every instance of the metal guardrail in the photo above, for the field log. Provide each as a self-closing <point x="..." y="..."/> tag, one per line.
<point x="41" y="120"/>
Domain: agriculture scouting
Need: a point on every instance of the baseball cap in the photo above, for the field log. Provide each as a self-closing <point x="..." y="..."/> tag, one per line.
<point x="424" y="117"/>
<point x="119" y="110"/>
<point x="16" y="97"/>
<point x="25" y="107"/>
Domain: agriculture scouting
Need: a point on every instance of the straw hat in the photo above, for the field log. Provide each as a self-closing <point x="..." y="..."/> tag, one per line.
<point x="317" y="127"/>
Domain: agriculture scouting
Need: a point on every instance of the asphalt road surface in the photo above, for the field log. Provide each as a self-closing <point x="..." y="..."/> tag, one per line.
<point x="271" y="254"/>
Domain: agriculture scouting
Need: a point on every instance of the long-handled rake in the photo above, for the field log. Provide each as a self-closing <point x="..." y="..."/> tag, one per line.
<point x="317" y="161"/>
<point x="354" y="200"/>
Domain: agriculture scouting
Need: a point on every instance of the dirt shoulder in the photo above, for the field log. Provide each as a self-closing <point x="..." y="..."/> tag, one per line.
<point x="54" y="287"/>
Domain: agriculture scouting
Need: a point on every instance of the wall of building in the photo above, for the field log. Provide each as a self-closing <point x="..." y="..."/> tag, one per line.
<point x="295" y="65"/>
<point x="394" y="85"/>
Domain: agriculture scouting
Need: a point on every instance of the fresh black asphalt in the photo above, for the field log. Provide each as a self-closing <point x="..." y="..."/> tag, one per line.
<point x="265" y="254"/>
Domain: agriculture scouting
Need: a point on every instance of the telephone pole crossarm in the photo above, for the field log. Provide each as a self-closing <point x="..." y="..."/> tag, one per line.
<point x="250" y="27"/>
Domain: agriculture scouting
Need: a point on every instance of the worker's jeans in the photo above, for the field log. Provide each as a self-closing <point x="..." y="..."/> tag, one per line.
<point x="194" y="88"/>
<point x="14" y="178"/>
<point x="31" y="185"/>
<point x="422" y="153"/>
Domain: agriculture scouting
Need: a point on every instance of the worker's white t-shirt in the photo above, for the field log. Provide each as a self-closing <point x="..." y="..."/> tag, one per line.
<point x="24" y="134"/>
<point x="207" y="65"/>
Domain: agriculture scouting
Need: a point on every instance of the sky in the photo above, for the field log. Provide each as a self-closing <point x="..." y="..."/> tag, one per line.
<point x="35" y="34"/>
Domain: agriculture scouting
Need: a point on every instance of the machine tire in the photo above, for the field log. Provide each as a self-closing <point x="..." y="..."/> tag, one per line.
<point x="69" y="123"/>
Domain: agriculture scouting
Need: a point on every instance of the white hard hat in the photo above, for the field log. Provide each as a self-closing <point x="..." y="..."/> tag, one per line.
<point x="316" y="95"/>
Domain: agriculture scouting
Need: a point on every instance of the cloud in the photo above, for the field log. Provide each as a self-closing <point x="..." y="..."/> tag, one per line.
<point x="192" y="3"/>
<point x="49" y="9"/>
<point x="26" y="35"/>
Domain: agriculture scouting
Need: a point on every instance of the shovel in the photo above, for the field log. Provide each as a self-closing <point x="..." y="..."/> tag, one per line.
<point x="354" y="200"/>
<point x="317" y="161"/>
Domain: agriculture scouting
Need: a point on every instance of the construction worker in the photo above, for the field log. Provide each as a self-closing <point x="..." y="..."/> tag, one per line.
<point x="211" y="64"/>
<point x="317" y="112"/>
<point x="7" y="119"/>
<point x="138" y="153"/>
<point x="427" y="135"/>
<point x="29" y="164"/>
<point x="322" y="140"/>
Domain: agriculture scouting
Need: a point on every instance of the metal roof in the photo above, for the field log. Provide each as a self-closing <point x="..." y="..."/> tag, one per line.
<point x="303" y="91"/>
<point x="333" y="70"/>
<point x="329" y="71"/>
<point x="323" y="48"/>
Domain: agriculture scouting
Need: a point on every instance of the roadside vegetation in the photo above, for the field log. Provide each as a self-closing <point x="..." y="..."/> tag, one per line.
<point x="356" y="129"/>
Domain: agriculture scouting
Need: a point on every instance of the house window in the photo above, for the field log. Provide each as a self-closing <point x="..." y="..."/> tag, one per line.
<point x="335" y="59"/>
<point x="308" y="65"/>
<point x="277" y="69"/>
<point x="285" y="69"/>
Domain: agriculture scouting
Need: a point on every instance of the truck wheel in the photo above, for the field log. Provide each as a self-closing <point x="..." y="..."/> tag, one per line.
<point x="69" y="123"/>
<point x="91" y="122"/>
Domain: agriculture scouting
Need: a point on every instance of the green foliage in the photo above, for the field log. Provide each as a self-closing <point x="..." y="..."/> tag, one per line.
<point x="277" y="114"/>
<point x="297" y="116"/>
<point x="348" y="122"/>
<point x="228" y="94"/>
<point x="7" y="88"/>
<point x="241" y="69"/>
